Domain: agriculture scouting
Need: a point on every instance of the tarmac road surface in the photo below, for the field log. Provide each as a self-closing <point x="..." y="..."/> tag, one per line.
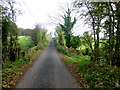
<point x="48" y="71"/>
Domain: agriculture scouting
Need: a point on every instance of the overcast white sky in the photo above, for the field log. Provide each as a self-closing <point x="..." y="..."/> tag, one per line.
<point x="38" y="11"/>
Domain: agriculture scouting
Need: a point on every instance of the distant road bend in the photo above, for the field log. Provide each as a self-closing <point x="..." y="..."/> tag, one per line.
<point x="48" y="71"/>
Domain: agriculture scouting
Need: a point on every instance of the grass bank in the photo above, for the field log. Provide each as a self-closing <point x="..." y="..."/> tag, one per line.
<point x="89" y="74"/>
<point x="13" y="71"/>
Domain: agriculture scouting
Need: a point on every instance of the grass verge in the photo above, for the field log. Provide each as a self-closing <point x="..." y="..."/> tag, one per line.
<point x="12" y="72"/>
<point x="89" y="74"/>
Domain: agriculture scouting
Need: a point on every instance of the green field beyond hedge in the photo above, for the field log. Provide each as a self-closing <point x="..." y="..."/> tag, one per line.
<point x="25" y="42"/>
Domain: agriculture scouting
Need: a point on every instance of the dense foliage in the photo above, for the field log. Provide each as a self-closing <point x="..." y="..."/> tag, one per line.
<point x="102" y="69"/>
<point x="10" y="49"/>
<point x="60" y="38"/>
<point x="104" y="18"/>
<point x="38" y="35"/>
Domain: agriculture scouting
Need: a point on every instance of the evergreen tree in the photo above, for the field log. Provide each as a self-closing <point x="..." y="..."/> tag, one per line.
<point x="67" y="27"/>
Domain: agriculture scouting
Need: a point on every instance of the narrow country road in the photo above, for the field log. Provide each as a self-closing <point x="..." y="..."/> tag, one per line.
<point x="48" y="71"/>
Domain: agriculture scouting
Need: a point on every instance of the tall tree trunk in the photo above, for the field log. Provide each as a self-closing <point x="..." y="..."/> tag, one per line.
<point x="117" y="45"/>
<point x="110" y="38"/>
<point x="97" y="41"/>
